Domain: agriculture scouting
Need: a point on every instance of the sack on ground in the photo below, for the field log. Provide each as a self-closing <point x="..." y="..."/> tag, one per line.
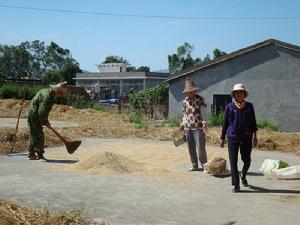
<point x="217" y="167"/>
<point x="270" y="165"/>
<point x="278" y="169"/>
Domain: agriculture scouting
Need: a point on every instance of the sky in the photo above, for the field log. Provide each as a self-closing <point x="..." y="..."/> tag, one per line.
<point x="145" y="32"/>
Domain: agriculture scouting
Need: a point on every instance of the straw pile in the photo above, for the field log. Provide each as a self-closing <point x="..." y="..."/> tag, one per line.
<point x="14" y="214"/>
<point x="112" y="163"/>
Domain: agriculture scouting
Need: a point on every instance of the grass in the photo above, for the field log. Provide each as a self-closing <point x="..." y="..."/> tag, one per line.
<point x="138" y="120"/>
<point x="265" y="124"/>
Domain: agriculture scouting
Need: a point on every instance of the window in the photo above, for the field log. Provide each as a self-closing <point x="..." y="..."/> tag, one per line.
<point x="219" y="102"/>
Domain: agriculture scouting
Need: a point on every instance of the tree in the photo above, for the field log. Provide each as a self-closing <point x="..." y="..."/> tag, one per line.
<point x="115" y="59"/>
<point x="129" y="68"/>
<point x="217" y="53"/>
<point x="182" y="59"/>
<point x="14" y="61"/>
<point x="35" y="60"/>
<point x="143" y="69"/>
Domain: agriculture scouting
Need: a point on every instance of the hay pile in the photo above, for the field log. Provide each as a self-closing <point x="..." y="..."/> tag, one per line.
<point x="112" y="163"/>
<point x="14" y="214"/>
<point x="99" y="124"/>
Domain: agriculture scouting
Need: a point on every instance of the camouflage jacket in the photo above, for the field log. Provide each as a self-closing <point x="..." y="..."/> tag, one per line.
<point x="41" y="105"/>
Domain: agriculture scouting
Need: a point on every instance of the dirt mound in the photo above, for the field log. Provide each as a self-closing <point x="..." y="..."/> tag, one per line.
<point x="12" y="214"/>
<point x="112" y="163"/>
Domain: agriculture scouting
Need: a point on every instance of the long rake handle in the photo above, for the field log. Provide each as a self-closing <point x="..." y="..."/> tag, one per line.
<point x="17" y="126"/>
<point x="58" y="135"/>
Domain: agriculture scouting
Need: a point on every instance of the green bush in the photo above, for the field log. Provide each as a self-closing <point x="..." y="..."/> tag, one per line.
<point x="215" y="120"/>
<point x="265" y="124"/>
<point x="138" y="120"/>
<point x="156" y="95"/>
<point x="174" y="121"/>
<point x="77" y="101"/>
<point x="19" y="91"/>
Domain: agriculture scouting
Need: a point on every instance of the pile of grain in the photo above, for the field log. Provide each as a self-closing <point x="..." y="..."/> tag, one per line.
<point x="13" y="214"/>
<point x="112" y="163"/>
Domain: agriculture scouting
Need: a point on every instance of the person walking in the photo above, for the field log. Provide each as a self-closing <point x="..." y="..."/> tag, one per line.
<point x="240" y="128"/>
<point x="38" y="113"/>
<point x="193" y="125"/>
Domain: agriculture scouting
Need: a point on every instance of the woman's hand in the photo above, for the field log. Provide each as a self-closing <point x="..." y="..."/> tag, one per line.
<point x="222" y="142"/>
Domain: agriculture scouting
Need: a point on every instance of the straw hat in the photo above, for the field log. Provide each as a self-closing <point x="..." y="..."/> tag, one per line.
<point x="60" y="87"/>
<point x="239" y="87"/>
<point x="189" y="86"/>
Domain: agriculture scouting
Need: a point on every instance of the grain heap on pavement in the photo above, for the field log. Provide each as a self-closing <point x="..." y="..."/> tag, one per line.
<point x="112" y="163"/>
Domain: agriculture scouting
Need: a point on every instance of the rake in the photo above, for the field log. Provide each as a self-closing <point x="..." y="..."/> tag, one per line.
<point x="70" y="145"/>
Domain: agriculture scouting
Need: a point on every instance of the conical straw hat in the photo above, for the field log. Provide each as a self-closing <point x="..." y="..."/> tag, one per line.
<point x="189" y="86"/>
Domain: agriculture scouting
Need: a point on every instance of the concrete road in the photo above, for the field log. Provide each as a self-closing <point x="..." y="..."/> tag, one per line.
<point x="125" y="199"/>
<point x="12" y="122"/>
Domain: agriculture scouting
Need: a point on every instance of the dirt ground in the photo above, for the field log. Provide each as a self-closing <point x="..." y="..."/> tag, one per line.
<point x="92" y="123"/>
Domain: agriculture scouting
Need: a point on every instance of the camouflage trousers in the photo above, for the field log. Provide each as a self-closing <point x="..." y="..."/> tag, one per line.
<point x="36" y="136"/>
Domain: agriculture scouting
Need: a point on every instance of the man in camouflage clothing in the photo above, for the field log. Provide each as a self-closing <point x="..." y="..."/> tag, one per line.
<point x="38" y="113"/>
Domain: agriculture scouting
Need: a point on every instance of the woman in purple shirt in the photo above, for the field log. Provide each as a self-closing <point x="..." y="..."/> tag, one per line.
<point x="240" y="128"/>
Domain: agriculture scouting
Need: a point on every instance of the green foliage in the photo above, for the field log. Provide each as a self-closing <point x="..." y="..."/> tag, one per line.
<point x="129" y="68"/>
<point x="156" y="95"/>
<point x="183" y="59"/>
<point x="265" y="124"/>
<point x="138" y="120"/>
<point x="34" y="59"/>
<point x="215" y="120"/>
<point x="174" y="121"/>
<point x="217" y="53"/>
<point x="19" y="91"/>
<point x="115" y="59"/>
<point x="76" y="101"/>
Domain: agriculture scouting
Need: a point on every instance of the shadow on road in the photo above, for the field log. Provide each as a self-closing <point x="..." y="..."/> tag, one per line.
<point x="255" y="189"/>
<point x="66" y="161"/>
<point x="254" y="174"/>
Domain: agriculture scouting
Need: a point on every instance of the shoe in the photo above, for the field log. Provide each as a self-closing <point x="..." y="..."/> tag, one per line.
<point x="42" y="158"/>
<point x="32" y="157"/>
<point x="236" y="189"/>
<point x="194" y="168"/>
<point x="245" y="182"/>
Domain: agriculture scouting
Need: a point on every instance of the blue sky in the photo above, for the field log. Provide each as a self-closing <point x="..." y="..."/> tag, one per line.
<point x="148" y="41"/>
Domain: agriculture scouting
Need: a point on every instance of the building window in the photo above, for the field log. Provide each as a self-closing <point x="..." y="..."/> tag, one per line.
<point x="219" y="103"/>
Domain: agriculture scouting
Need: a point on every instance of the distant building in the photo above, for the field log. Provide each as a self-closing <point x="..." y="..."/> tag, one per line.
<point x="110" y="82"/>
<point x="111" y="67"/>
<point x="269" y="69"/>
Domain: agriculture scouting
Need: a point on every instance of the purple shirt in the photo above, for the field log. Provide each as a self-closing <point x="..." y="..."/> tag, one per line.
<point x="239" y="124"/>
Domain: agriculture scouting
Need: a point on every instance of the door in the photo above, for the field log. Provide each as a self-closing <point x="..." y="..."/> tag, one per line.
<point x="219" y="102"/>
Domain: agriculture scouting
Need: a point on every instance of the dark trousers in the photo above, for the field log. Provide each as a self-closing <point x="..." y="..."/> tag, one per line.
<point x="233" y="150"/>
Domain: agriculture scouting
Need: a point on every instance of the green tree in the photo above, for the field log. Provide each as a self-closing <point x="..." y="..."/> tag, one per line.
<point x="217" y="53"/>
<point x="143" y="69"/>
<point x="182" y="59"/>
<point x="129" y="68"/>
<point x="37" y="64"/>
<point x="36" y="60"/>
<point x="14" y="61"/>
<point x="115" y="59"/>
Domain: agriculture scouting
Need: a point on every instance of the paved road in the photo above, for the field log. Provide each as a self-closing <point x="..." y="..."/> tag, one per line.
<point x="11" y="122"/>
<point x="125" y="199"/>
